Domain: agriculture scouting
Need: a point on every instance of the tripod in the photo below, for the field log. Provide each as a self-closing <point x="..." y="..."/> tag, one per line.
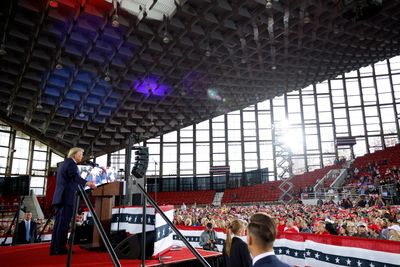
<point x="82" y="194"/>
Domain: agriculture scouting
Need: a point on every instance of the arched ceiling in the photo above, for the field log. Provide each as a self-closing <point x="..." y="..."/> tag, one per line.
<point x="69" y="78"/>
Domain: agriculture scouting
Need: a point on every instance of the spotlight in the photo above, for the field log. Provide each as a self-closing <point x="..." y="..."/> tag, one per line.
<point x="39" y="105"/>
<point x="3" y="50"/>
<point x="53" y="3"/>
<point x="107" y="77"/>
<point x="208" y="52"/>
<point x="166" y="38"/>
<point x="268" y="4"/>
<point x="81" y="115"/>
<point x="273" y="67"/>
<point x="115" y="22"/>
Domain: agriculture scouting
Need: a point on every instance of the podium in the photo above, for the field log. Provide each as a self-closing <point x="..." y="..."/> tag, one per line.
<point x="103" y="206"/>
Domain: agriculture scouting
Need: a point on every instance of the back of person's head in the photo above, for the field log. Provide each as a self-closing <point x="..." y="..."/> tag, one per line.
<point x="235" y="227"/>
<point x="262" y="231"/>
<point x="209" y="226"/>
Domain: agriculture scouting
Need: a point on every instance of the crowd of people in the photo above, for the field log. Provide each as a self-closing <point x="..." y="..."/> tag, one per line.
<point x="375" y="178"/>
<point x="329" y="218"/>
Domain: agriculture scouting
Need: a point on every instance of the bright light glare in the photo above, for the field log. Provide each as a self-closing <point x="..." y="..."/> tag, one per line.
<point x="293" y="138"/>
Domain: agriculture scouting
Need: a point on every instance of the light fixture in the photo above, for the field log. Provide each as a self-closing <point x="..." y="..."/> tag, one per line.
<point x="273" y="67"/>
<point x="268" y="4"/>
<point x="306" y="18"/>
<point x="208" y="50"/>
<point x="81" y="115"/>
<point x="9" y="110"/>
<point x="39" y="105"/>
<point x="166" y="37"/>
<point x="107" y="77"/>
<point x="59" y="64"/>
<point x="53" y="3"/>
<point x="3" y="50"/>
<point x="114" y="20"/>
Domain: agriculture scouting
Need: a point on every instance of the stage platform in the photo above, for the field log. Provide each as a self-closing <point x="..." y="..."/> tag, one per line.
<point x="38" y="255"/>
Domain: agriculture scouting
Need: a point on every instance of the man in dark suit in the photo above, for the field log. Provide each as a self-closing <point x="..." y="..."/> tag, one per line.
<point x="260" y="240"/>
<point x="27" y="230"/>
<point x="68" y="179"/>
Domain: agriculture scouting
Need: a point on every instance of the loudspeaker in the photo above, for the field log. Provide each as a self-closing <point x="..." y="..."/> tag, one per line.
<point x="117" y="237"/>
<point x="131" y="247"/>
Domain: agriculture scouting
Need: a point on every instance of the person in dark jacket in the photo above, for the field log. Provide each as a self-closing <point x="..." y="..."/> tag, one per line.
<point x="27" y="230"/>
<point x="260" y="239"/>
<point x="68" y="179"/>
<point x="235" y="252"/>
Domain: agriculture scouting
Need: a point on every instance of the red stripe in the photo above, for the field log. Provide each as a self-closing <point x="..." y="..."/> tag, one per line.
<point x="346" y="241"/>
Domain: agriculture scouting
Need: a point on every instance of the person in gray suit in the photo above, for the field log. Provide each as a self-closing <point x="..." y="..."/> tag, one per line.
<point x="260" y="240"/>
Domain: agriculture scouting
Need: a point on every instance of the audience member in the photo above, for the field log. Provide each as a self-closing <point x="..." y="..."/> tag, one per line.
<point x="208" y="238"/>
<point x="260" y="240"/>
<point x="235" y="252"/>
<point x="27" y="230"/>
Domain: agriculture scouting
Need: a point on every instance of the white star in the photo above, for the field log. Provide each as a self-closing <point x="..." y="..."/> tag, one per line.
<point x="296" y="253"/>
<point x="372" y="265"/>
<point x="348" y="261"/>
<point x="359" y="263"/>
<point x="317" y="256"/>
<point x="327" y="258"/>
<point x="308" y="253"/>
<point x="287" y="251"/>
<point x="280" y="251"/>
<point x="337" y="260"/>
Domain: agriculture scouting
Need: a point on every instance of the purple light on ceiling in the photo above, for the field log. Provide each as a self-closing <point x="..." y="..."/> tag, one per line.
<point x="150" y="86"/>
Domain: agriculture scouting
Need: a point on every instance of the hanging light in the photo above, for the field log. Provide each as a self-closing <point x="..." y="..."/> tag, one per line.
<point x="59" y="64"/>
<point x="166" y="37"/>
<point x="39" y="105"/>
<point x="114" y="20"/>
<point x="107" y="77"/>
<point x="81" y="115"/>
<point x="3" y="50"/>
<point x="306" y="18"/>
<point x="268" y="4"/>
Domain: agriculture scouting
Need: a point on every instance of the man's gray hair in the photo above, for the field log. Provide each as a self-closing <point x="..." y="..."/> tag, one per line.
<point x="74" y="150"/>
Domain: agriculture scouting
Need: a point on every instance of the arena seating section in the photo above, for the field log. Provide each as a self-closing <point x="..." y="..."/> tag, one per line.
<point x="386" y="158"/>
<point x="270" y="192"/>
<point x="188" y="197"/>
<point x="267" y="192"/>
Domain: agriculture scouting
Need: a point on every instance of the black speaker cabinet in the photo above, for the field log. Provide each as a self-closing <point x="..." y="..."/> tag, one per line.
<point x="131" y="247"/>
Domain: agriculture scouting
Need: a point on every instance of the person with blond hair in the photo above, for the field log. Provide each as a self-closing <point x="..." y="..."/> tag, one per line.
<point x="68" y="180"/>
<point x="235" y="252"/>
